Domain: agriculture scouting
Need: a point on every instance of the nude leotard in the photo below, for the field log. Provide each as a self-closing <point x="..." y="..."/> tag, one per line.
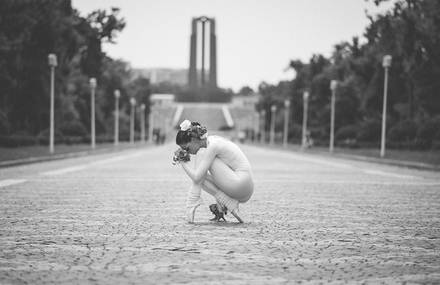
<point x="239" y="181"/>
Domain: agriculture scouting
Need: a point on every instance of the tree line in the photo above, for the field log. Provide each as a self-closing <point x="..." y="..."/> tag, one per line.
<point x="32" y="29"/>
<point x="410" y="33"/>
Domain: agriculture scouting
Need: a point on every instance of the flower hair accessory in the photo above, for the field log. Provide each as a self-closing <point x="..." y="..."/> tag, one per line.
<point x="185" y="125"/>
<point x="204" y="136"/>
<point x="194" y="129"/>
<point x="198" y="131"/>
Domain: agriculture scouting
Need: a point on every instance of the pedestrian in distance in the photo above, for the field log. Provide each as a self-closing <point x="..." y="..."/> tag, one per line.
<point x="221" y="169"/>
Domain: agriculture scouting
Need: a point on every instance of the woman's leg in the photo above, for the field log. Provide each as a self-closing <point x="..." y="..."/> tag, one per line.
<point x="222" y="199"/>
<point x="222" y="183"/>
<point x="195" y="189"/>
<point x="221" y="178"/>
<point x="210" y="187"/>
<point x="238" y="186"/>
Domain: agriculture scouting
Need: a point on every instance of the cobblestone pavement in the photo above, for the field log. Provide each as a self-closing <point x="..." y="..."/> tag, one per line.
<point x="119" y="218"/>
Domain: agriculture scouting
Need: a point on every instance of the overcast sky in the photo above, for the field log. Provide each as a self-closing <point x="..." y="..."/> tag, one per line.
<point x="256" y="39"/>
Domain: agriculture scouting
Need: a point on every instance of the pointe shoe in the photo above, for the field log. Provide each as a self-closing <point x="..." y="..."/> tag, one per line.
<point x="191" y="211"/>
<point x="234" y="213"/>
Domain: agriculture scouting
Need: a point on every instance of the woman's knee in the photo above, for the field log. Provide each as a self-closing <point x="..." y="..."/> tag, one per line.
<point x="220" y="171"/>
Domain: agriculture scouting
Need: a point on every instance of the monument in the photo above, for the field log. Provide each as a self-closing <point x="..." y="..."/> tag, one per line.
<point x="198" y="80"/>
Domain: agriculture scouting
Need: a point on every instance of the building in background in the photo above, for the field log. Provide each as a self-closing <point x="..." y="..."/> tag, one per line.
<point x="245" y="101"/>
<point x="160" y="75"/>
<point x="164" y="100"/>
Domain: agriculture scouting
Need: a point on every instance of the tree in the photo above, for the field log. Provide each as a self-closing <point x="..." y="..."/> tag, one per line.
<point x="410" y="32"/>
<point x="246" y="91"/>
<point x="31" y="30"/>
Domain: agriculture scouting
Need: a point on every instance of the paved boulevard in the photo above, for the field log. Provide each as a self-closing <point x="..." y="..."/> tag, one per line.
<point x="118" y="218"/>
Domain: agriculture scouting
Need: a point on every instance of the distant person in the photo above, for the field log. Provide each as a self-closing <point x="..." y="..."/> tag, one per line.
<point x="157" y="137"/>
<point x="309" y="140"/>
<point x="241" y="136"/>
<point x="221" y="169"/>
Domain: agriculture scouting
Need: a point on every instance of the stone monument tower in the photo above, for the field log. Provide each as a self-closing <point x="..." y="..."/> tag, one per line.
<point x="198" y="28"/>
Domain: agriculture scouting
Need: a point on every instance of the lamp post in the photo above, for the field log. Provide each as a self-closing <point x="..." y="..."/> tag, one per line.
<point x="117" y="95"/>
<point x="273" y="110"/>
<point x="166" y="128"/>
<point x="305" y="110"/>
<point x="133" y="104"/>
<point x="333" y="86"/>
<point x="263" y="126"/>
<point x="93" y="84"/>
<point x="386" y="63"/>
<point x="150" y="125"/>
<point x="143" y="123"/>
<point x="256" y="117"/>
<point x="286" y="121"/>
<point x="52" y="63"/>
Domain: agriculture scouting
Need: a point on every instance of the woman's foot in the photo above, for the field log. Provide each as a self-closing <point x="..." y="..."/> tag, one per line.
<point x="191" y="210"/>
<point x="234" y="213"/>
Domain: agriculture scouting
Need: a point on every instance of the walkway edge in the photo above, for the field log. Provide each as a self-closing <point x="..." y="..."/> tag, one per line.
<point x="387" y="161"/>
<point x="36" y="159"/>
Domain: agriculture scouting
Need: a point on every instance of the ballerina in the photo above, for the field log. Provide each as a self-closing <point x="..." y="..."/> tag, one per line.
<point x="221" y="169"/>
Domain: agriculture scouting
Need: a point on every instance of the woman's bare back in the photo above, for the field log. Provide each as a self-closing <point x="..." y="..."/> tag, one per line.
<point x="229" y="153"/>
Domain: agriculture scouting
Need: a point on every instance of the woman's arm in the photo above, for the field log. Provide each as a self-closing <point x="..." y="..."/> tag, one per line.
<point x="198" y="173"/>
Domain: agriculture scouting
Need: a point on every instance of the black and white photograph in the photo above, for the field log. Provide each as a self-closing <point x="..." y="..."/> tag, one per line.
<point x="219" y="142"/>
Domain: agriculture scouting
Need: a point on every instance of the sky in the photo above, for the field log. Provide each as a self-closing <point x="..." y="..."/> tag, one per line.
<point x="256" y="39"/>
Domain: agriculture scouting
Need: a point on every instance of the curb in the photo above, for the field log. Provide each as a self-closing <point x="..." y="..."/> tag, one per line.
<point x="36" y="159"/>
<point x="386" y="161"/>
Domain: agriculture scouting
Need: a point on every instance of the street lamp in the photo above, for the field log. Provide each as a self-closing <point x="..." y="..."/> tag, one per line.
<point x="273" y="109"/>
<point x="93" y="84"/>
<point x="256" y="118"/>
<point x="286" y="121"/>
<point x="52" y="63"/>
<point x="386" y="63"/>
<point x="263" y="126"/>
<point x="333" y="86"/>
<point x="166" y="128"/>
<point x="133" y="103"/>
<point x="143" y="123"/>
<point x="305" y="110"/>
<point x="117" y="95"/>
<point x="150" y="125"/>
